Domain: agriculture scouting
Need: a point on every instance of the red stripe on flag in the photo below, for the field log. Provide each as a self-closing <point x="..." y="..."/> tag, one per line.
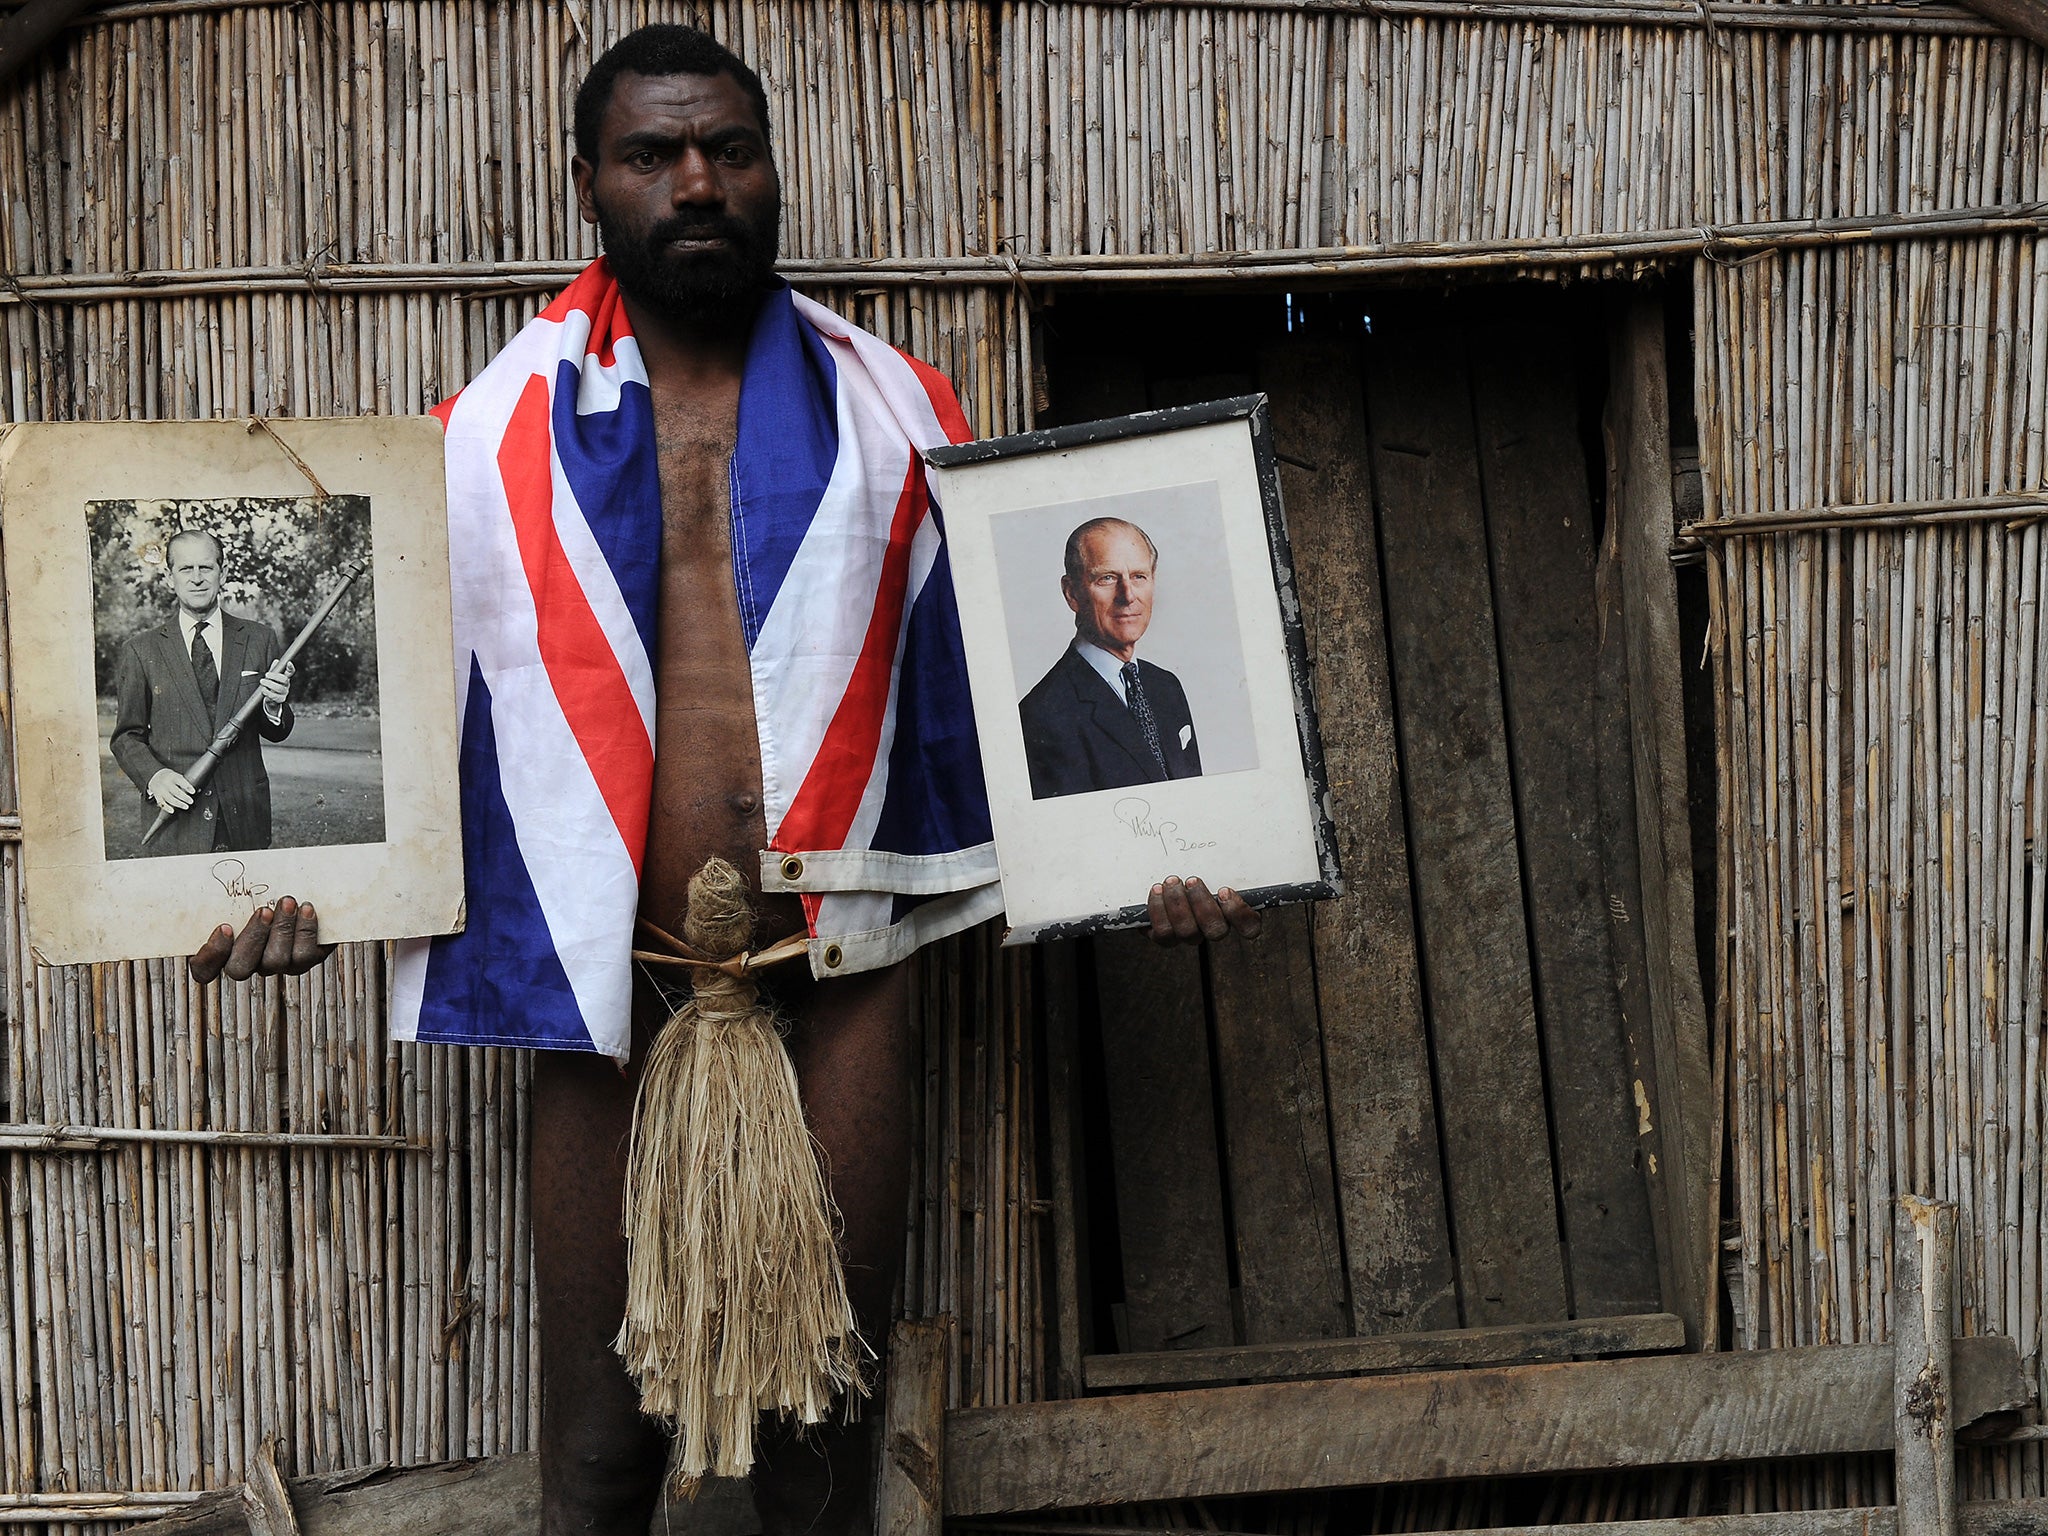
<point x="589" y="684"/>
<point x="823" y="810"/>
<point x="945" y="404"/>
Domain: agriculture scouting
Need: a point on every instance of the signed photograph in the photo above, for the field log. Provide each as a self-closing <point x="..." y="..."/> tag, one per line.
<point x="231" y="654"/>
<point x="1137" y="664"/>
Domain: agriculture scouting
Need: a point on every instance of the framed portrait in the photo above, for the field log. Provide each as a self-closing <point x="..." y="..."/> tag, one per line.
<point x="1137" y="663"/>
<point x="233" y="680"/>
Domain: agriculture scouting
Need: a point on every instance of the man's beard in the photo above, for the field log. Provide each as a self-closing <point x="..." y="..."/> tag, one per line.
<point x="714" y="288"/>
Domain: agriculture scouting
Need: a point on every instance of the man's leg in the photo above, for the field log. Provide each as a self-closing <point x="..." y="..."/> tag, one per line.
<point x="851" y="1046"/>
<point x="601" y="1460"/>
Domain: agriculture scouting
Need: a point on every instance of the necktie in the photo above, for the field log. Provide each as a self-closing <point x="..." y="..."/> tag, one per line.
<point x="203" y="669"/>
<point x="1140" y="706"/>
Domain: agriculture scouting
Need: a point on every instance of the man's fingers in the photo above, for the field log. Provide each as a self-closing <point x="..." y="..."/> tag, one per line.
<point x="247" y="953"/>
<point x="209" y="957"/>
<point x="284" y="934"/>
<point x="1205" y="911"/>
<point x="1244" y="918"/>
<point x="1155" y="908"/>
<point x="307" y="950"/>
<point x="1179" y="916"/>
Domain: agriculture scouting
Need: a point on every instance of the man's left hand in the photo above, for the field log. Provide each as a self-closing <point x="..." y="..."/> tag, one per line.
<point x="276" y="684"/>
<point x="1184" y="912"/>
<point x="283" y="940"/>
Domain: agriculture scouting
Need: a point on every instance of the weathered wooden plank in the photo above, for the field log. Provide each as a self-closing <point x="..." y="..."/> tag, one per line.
<point x="1923" y="1331"/>
<point x="1657" y="1410"/>
<point x="1162" y="1132"/>
<point x="1269" y="1067"/>
<point x="1461" y="823"/>
<point x="462" y="1498"/>
<point x="1639" y="507"/>
<point x="913" y="1429"/>
<point x="1061" y="990"/>
<point x="1990" y="1517"/>
<point x="1518" y="1345"/>
<point x="1539" y="525"/>
<point x="266" y="1503"/>
<point x="1621" y="870"/>
<point x="456" y="1498"/>
<point x="1382" y="1104"/>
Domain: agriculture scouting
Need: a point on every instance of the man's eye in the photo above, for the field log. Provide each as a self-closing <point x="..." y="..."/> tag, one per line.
<point x="735" y="154"/>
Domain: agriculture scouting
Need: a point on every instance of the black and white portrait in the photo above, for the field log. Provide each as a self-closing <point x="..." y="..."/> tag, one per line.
<point x="1120" y="611"/>
<point x="1137" y="660"/>
<point x="233" y="668"/>
<point x="214" y="740"/>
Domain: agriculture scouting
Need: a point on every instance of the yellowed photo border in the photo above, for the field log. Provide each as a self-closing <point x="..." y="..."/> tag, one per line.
<point x="83" y="907"/>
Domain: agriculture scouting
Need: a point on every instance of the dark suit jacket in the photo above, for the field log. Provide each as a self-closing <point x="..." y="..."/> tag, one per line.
<point x="160" y="722"/>
<point x="1079" y="734"/>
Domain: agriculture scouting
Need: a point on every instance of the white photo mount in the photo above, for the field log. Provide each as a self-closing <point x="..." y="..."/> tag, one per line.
<point x="1079" y="854"/>
<point x="84" y="906"/>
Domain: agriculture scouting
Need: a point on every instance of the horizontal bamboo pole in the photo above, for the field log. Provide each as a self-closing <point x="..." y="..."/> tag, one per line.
<point x="93" y="1138"/>
<point x="2014" y="510"/>
<point x="1725" y="243"/>
<point x="98" y="1503"/>
<point x="1936" y="18"/>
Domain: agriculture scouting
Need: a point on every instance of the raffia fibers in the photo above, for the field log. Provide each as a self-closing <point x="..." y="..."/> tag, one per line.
<point x="736" y="1303"/>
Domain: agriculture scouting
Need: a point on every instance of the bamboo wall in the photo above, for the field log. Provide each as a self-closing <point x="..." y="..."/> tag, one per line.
<point x="346" y="205"/>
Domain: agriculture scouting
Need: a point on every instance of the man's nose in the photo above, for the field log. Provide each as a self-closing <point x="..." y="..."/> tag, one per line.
<point x="695" y="182"/>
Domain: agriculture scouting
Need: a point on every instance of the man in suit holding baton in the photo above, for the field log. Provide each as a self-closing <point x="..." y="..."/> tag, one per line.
<point x="176" y="685"/>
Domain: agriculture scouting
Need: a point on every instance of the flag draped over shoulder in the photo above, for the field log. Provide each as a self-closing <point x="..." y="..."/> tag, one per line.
<point x="876" y="811"/>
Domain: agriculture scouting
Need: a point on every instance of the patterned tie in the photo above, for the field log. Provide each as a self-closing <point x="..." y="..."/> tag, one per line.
<point x="1134" y="696"/>
<point x="203" y="669"/>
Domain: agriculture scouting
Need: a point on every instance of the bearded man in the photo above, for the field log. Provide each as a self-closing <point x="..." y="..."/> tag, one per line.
<point x="690" y="522"/>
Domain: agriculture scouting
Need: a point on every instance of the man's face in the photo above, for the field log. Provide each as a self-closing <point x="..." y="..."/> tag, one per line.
<point x="685" y="196"/>
<point x="1112" y="602"/>
<point x="195" y="574"/>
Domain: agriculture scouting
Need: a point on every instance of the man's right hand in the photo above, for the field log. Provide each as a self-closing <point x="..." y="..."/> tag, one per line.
<point x="171" y="790"/>
<point x="283" y="940"/>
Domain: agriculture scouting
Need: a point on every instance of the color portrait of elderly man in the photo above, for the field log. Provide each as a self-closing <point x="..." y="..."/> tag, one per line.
<point x="1102" y="718"/>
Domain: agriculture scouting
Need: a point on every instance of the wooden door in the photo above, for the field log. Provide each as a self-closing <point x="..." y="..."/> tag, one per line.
<point x="1414" y="1108"/>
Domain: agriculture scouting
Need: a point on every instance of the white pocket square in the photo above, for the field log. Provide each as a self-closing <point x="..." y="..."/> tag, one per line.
<point x="1187" y="734"/>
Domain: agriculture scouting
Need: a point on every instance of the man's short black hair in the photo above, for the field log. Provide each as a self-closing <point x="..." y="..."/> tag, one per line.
<point x="657" y="51"/>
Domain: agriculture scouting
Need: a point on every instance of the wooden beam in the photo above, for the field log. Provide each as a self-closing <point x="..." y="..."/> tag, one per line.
<point x="1991" y="1517"/>
<point x="1640" y="526"/>
<point x="460" y="1498"/>
<point x="1923" y="1427"/>
<point x="1514" y="1421"/>
<point x="2027" y="18"/>
<point x="451" y="1498"/>
<point x="266" y="1503"/>
<point x="1522" y="1344"/>
<point x="913" y="1437"/>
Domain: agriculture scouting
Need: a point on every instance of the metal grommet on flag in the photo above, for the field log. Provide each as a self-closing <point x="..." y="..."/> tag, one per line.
<point x="834" y="956"/>
<point x="792" y="868"/>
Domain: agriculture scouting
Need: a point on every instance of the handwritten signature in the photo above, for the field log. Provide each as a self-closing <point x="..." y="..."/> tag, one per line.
<point x="1136" y="814"/>
<point x="233" y="877"/>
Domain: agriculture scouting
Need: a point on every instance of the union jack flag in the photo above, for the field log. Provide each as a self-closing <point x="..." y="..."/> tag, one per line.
<point x="876" y="811"/>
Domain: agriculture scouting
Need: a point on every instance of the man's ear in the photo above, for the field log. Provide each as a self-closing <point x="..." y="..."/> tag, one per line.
<point x="1067" y="591"/>
<point x="582" y="172"/>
